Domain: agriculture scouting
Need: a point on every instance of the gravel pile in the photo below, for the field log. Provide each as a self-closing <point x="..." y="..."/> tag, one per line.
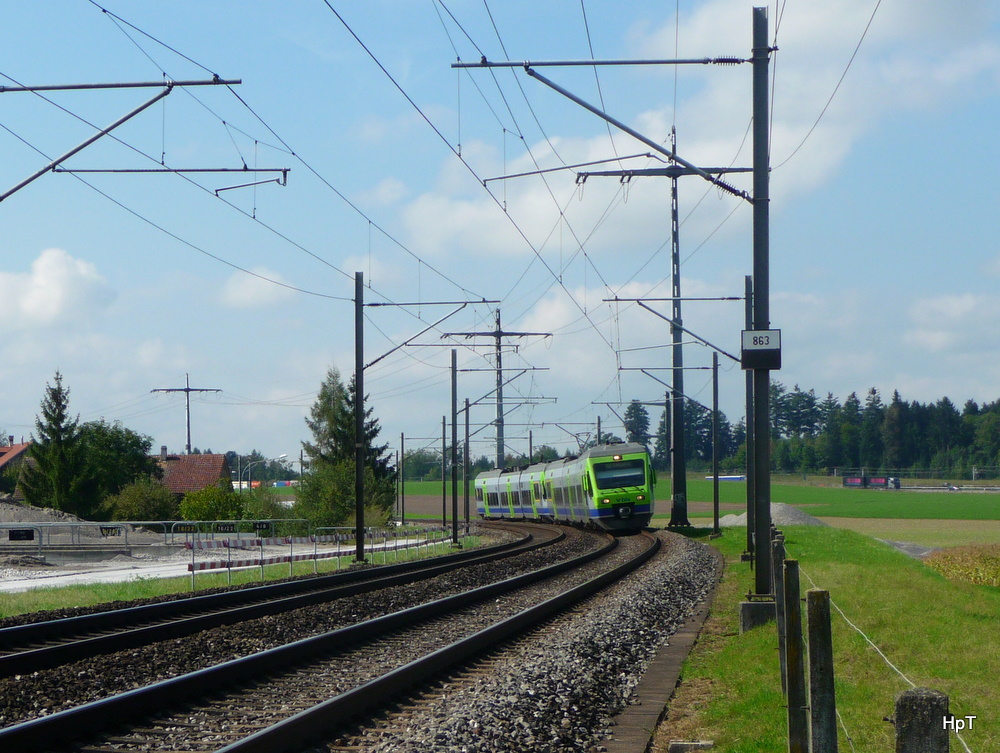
<point x="781" y="515"/>
<point x="560" y="691"/>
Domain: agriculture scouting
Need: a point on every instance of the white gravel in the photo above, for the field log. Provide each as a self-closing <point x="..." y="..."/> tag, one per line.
<point x="781" y="515"/>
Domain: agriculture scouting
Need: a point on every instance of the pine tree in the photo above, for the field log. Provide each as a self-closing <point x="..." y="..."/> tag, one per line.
<point x="637" y="423"/>
<point x="58" y="475"/>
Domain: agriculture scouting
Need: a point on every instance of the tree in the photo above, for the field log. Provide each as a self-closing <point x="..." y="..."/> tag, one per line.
<point x="323" y="496"/>
<point x="870" y="436"/>
<point x="58" y="474"/>
<point x="326" y="495"/>
<point x="327" y="421"/>
<point x="143" y="499"/>
<point x="332" y="423"/>
<point x="117" y="456"/>
<point x="637" y="423"/>
<point x="661" y="448"/>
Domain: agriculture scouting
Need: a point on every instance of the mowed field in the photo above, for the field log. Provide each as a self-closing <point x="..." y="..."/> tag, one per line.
<point x="929" y="518"/>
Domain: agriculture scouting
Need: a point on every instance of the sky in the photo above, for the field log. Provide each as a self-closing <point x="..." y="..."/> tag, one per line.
<point x="883" y="254"/>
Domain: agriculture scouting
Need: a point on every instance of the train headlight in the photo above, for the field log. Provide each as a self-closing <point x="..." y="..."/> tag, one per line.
<point x="640" y="497"/>
<point x="606" y="501"/>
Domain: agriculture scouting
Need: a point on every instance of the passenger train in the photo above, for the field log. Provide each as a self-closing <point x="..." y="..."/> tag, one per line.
<point x="607" y="486"/>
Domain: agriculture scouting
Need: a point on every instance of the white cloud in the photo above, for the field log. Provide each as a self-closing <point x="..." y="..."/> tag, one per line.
<point x="387" y="192"/>
<point x="58" y="291"/>
<point x="246" y="291"/>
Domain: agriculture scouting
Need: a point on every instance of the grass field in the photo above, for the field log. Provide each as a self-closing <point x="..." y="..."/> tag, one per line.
<point x="940" y="634"/>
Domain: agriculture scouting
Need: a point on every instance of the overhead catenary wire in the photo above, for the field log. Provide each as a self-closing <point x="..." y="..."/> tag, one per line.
<point x="520" y="231"/>
<point x="291" y="152"/>
<point x="835" y="89"/>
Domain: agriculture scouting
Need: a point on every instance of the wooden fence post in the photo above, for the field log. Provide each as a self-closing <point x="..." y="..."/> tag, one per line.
<point x="798" y="718"/>
<point x="922" y="721"/>
<point x="822" y="696"/>
<point x="778" y="586"/>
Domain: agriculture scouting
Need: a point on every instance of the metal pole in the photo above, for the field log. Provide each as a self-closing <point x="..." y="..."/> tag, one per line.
<point x="501" y="451"/>
<point x="715" y="442"/>
<point x="187" y="411"/>
<point x="761" y="296"/>
<point x="444" y="471"/>
<point x="402" y="481"/>
<point x="531" y="447"/>
<point x="748" y="425"/>
<point x="678" y="466"/>
<point x="359" y="416"/>
<point x="598" y="430"/>
<point x="103" y="132"/>
<point x="454" y="447"/>
<point x="465" y="472"/>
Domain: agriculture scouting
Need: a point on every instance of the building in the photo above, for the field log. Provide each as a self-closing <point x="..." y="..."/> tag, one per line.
<point x="192" y="473"/>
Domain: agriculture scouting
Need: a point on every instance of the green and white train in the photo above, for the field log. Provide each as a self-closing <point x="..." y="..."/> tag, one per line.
<point x="607" y="486"/>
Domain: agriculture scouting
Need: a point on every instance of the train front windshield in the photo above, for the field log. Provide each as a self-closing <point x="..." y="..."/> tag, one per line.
<point x="619" y="473"/>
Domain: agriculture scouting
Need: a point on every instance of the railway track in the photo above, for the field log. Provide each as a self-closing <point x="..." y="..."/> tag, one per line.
<point x="41" y="645"/>
<point x="282" y="698"/>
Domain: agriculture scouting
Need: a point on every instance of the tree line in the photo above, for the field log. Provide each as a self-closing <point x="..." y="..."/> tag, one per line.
<point x="101" y="471"/>
<point x="814" y="435"/>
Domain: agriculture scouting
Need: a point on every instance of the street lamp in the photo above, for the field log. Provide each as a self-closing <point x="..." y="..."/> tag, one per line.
<point x="252" y="463"/>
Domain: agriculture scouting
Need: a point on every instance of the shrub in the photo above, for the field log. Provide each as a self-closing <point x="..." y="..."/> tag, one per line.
<point x="212" y="503"/>
<point x="145" y="499"/>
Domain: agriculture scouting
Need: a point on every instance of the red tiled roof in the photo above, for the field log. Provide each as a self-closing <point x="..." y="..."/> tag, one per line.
<point x="12" y="452"/>
<point x="191" y="473"/>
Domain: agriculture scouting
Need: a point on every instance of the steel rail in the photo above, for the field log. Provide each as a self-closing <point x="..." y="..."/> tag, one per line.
<point x="129" y="628"/>
<point x="45" y="733"/>
<point x="332" y="715"/>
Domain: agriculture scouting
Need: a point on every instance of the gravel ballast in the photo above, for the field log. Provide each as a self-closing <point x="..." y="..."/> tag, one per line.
<point x="559" y="690"/>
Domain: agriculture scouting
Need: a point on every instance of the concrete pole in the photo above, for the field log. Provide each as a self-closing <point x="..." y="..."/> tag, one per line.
<point x="921" y="718"/>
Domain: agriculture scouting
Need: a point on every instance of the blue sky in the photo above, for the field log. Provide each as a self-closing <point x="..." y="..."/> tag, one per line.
<point x="884" y="256"/>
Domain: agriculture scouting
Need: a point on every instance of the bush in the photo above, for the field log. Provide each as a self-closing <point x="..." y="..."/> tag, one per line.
<point x="212" y="503"/>
<point x="262" y="504"/>
<point x="145" y="499"/>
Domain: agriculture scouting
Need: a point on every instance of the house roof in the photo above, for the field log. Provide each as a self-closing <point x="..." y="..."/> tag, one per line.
<point x="12" y="453"/>
<point x="191" y="473"/>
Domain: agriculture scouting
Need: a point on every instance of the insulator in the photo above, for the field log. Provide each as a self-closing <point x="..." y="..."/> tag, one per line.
<point x="728" y="61"/>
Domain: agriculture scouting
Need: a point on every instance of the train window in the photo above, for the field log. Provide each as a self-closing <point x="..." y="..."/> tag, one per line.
<point x="620" y="473"/>
<point x="479" y="495"/>
<point x="525" y="497"/>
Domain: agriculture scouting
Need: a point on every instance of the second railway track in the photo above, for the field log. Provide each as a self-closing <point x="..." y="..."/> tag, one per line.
<point x="40" y="645"/>
<point x="245" y="700"/>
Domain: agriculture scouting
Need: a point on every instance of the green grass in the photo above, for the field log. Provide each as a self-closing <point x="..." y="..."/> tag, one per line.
<point x="823" y="501"/>
<point x="41" y="599"/>
<point x="939" y="633"/>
